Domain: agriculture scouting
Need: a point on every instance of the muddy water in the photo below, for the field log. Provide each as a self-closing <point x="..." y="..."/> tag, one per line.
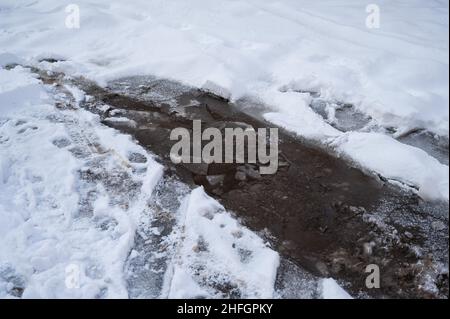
<point x="318" y="212"/>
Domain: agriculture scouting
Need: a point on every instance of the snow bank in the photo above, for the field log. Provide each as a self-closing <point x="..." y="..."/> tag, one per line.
<point x="330" y="289"/>
<point x="375" y="152"/>
<point x="397" y="74"/>
<point x="218" y="251"/>
<point x="397" y="162"/>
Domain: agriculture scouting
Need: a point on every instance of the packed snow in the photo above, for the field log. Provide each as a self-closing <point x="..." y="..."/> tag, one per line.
<point x="52" y="239"/>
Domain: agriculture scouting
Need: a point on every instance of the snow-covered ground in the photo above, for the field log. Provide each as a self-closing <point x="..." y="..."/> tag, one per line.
<point x="59" y="230"/>
<point x="63" y="211"/>
<point x="276" y="51"/>
<point x="74" y="194"/>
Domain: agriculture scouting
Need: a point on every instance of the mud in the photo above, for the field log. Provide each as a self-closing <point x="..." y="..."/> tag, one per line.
<point x="319" y="213"/>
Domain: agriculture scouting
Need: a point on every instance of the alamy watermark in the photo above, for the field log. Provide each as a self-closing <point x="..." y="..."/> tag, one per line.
<point x="373" y="279"/>
<point x="73" y="275"/>
<point x="373" y="17"/>
<point x="72" y="20"/>
<point x="236" y="145"/>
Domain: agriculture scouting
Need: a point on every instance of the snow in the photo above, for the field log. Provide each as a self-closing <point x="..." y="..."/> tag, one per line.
<point x="277" y="51"/>
<point x="295" y="115"/>
<point x="331" y="290"/>
<point x="77" y="94"/>
<point x="232" y="254"/>
<point x="273" y="50"/>
<point x="18" y="90"/>
<point x="397" y="73"/>
<point x="44" y="237"/>
<point x="318" y="43"/>
<point x="122" y="120"/>
<point x="377" y="153"/>
<point x="215" y="89"/>
<point x="8" y="59"/>
<point x="71" y="203"/>
<point x="396" y="161"/>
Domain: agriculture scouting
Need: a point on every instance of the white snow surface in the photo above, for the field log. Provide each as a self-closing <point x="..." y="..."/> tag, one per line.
<point x="398" y="73"/>
<point x="45" y="241"/>
<point x="330" y="289"/>
<point x="56" y="241"/>
<point x="236" y="256"/>
<point x="397" y="162"/>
